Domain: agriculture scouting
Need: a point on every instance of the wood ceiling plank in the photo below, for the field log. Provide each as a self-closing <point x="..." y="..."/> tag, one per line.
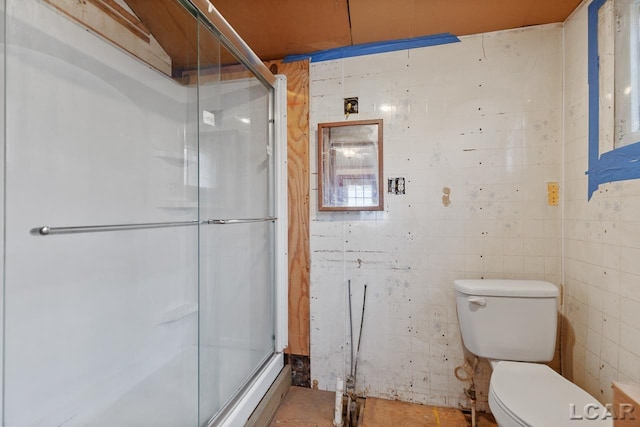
<point x="97" y="16"/>
<point x="277" y="28"/>
<point x="130" y="22"/>
<point x="473" y="17"/>
<point x="379" y="20"/>
<point x="173" y="27"/>
<point x="545" y="11"/>
<point x="382" y="20"/>
<point x="113" y="4"/>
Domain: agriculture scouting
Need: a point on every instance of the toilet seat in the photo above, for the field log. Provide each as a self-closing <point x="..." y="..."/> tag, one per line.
<point x="502" y="414"/>
<point x="531" y="394"/>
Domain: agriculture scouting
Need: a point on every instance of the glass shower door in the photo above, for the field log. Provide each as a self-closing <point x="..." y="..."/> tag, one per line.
<point x="100" y="327"/>
<point x="237" y="246"/>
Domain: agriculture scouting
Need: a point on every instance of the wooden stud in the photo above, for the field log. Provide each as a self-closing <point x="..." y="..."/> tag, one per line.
<point x="298" y="174"/>
<point x="124" y="17"/>
<point x="100" y="18"/>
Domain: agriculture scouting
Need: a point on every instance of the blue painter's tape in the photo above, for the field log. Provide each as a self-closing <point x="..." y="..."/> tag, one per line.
<point x="618" y="164"/>
<point x="378" y="47"/>
<point x="594" y="91"/>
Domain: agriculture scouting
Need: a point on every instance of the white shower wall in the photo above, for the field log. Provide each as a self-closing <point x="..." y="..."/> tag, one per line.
<point x="90" y="135"/>
<point x="482" y="117"/>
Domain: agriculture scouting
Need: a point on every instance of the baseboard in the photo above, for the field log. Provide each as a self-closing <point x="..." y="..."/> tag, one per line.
<point x="266" y="409"/>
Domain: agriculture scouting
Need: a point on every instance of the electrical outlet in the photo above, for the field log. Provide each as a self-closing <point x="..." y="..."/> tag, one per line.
<point x="395" y="186"/>
<point x="553" y="193"/>
<point x="351" y="105"/>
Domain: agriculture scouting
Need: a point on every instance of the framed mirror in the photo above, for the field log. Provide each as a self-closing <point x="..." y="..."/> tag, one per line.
<point x="350" y="166"/>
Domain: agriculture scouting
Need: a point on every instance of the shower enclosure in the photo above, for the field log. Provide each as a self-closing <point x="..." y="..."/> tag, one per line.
<point x="144" y="203"/>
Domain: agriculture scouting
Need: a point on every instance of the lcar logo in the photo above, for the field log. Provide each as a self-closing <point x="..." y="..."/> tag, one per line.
<point x="596" y="411"/>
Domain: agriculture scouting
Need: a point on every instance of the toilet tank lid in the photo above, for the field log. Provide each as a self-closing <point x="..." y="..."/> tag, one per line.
<point x="506" y="288"/>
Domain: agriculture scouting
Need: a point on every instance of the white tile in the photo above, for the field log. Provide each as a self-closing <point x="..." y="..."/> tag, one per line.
<point x="594" y="341"/>
<point x="594" y="321"/>
<point x="513" y="264"/>
<point x="458" y="123"/>
<point x="630" y="313"/>
<point x="629" y="365"/>
<point x="610" y="352"/>
<point x="630" y="257"/>
<point x="611" y="305"/>
<point x="630" y="286"/>
<point x="533" y="264"/>
<point x="629" y="233"/>
<point x="552" y="265"/>
<point x="608" y="374"/>
<point x="629" y="337"/>
<point x="592" y="363"/>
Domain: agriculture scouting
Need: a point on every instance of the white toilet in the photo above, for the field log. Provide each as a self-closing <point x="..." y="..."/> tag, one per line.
<point x="514" y="323"/>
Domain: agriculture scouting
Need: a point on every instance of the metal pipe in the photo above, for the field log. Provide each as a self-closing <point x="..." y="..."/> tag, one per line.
<point x="337" y="415"/>
<point x="350" y="326"/>
<point x="364" y="303"/>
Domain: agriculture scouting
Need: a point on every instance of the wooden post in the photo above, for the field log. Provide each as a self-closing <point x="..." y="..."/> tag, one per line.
<point x="298" y="173"/>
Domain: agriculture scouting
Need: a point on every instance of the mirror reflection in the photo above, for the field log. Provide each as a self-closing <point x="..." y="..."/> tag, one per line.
<point x="350" y="165"/>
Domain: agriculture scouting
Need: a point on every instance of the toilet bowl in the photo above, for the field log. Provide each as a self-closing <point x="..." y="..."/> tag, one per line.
<point x="532" y="394"/>
<point x="513" y="323"/>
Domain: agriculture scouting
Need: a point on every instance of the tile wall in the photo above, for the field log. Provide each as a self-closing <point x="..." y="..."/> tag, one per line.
<point x="483" y="118"/>
<point x="601" y="332"/>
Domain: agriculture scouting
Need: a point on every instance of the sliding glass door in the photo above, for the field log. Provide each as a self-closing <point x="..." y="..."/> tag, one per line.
<point x="237" y="251"/>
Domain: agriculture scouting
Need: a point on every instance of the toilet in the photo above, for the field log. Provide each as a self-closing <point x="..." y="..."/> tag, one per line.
<point x="513" y="323"/>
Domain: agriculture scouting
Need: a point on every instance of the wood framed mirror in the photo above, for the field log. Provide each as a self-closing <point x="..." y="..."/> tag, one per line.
<point x="350" y="166"/>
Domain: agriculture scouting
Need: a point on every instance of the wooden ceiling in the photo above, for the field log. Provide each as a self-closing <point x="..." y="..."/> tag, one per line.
<point x="277" y="28"/>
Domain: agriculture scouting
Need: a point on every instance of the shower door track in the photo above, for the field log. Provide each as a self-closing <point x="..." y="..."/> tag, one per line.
<point x="47" y="231"/>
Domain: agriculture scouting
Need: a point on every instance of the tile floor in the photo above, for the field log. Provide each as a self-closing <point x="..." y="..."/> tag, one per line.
<point x="303" y="407"/>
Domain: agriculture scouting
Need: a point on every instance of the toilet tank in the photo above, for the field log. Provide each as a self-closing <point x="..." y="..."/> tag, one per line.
<point x="508" y="319"/>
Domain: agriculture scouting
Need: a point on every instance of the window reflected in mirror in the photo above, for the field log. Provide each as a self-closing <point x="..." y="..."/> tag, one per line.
<point x="350" y="166"/>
